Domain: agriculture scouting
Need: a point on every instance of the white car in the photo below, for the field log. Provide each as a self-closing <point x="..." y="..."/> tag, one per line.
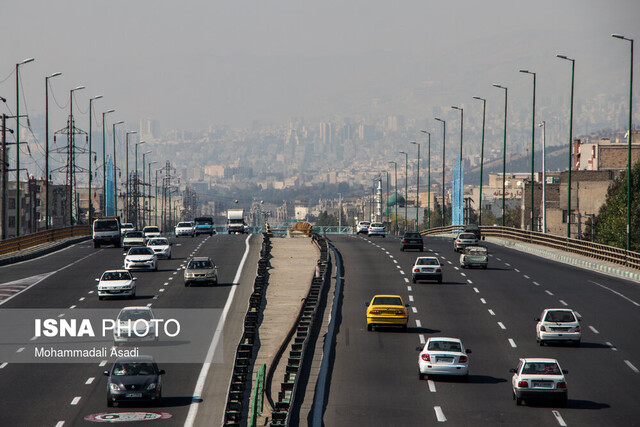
<point x="558" y="324"/>
<point x="363" y="227"/>
<point x="464" y="239"/>
<point x="134" y="324"/>
<point x="124" y="227"/>
<point x="133" y="238"/>
<point x="151" y="231"/>
<point x="426" y="268"/>
<point x="185" y="229"/>
<point x="116" y="283"/>
<point x="141" y="258"/>
<point x="443" y="356"/>
<point x="161" y="246"/>
<point x="376" y="229"/>
<point x="537" y="378"/>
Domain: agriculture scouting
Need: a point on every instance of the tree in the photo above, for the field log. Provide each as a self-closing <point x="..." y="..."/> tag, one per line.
<point x="326" y="219"/>
<point x="611" y="223"/>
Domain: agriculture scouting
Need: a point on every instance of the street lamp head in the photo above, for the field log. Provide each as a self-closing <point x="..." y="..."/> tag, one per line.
<point x="95" y="97"/>
<point x="479" y="98"/>
<point x="527" y="72"/>
<point x="541" y="124"/>
<point x="119" y="122"/>
<point x="439" y="119"/>
<point x="26" y="61"/>
<point x="456" y="108"/>
<point x="414" y="143"/>
<point x="56" y="74"/>
<point x="109" y="111"/>
<point x="147" y="152"/>
<point x="131" y="132"/>
<point x="402" y="152"/>
<point x="77" y="88"/>
<point x="498" y="86"/>
<point x="424" y="131"/>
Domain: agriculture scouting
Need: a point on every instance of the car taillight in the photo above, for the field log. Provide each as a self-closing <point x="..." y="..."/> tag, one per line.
<point x="542" y="328"/>
<point x="458" y="240"/>
<point x="463" y="359"/>
<point x="464" y="258"/>
<point x="426" y="357"/>
<point x="562" y="384"/>
<point x="523" y="384"/>
<point x="404" y="240"/>
<point x="416" y="270"/>
<point x="438" y="270"/>
<point x="577" y="328"/>
<point x="375" y="311"/>
<point x="401" y="312"/>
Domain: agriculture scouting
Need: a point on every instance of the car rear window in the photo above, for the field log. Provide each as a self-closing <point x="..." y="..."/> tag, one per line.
<point x="116" y="275"/>
<point x="141" y="251"/>
<point x="105" y="225"/>
<point x="541" y="368"/>
<point x="412" y="235"/>
<point x="444" y="346"/>
<point x="427" y="261"/>
<point x="134" y="234"/>
<point x="376" y="224"/>
<point x="199" y="265"/>
<point x="467" y="236"/>
<point x="560" y="316"/>
<point x="387" y="301"/>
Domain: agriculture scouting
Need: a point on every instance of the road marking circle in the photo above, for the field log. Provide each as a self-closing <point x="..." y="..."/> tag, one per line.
<point x="127" y="417"/>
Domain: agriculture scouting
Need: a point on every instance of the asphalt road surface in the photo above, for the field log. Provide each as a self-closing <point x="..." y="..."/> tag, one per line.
<point x="374" y="380"/>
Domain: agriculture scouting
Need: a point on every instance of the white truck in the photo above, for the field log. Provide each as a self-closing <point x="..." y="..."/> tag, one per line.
<point x="235" y="221"/>
<point x="106" y="231"/>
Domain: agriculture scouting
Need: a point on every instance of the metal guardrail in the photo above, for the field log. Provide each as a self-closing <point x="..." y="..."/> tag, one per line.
<point x="23" y="242"/>
<point x="257" y="394"/>
<point x="576" y="246"/>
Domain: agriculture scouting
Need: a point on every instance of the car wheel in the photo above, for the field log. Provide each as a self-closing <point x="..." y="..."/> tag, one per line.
<point x="439" y="280"/>
<point x="133" y="295"/>
<point x="518" y="401"/>
<point x="465" y="378"/>
<point x="186" y="284"/>
<point x="421" y="376"/>
<point x="563" y="402"/>
<point x="421" y="249"/>
<point x="401" y="249"/>
<point x="109" y="403"/>
<point x="169" y="256"/>
<point x="577" y="343"/>
<point x="404" y="328"/>
<point x="541" y="343"/>
<point x="414" y="280"/>
<point x="155" y="267"/>
<point x="369" y="327"/>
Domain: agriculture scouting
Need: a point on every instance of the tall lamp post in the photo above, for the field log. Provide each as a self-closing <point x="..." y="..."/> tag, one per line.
<point x="395" y="186"/>
<point x="406" y="185"/>
<point x="484" y="110"/>
<point x="629" y="139"/>
<point x="137" y="181"/>
<point x="428" y="178"/>
<point x="127" y="192"/>
<point x="149" y="193"/>
<point x="144" y="212"/>
<point x="573" y="69"/>
<point x="543" y="125"/>
<point x="417" y="183"/>
<point x="460" y="170"/>
<point x="90" y="154"/>
<point x="72" y="155"/>
<point x="533" y="132"/>
<point x="46" y="160"/>
<point x="104" y="163"/>
<point x="17" y="133"/>
<point x="444" y="138"/>
<point x="115" y="170"/>
<point x="504" y="148"/>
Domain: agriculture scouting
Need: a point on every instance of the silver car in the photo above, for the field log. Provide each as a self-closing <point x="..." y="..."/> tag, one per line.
<point x="463" y="240"/>
<point x="200" y="270"/>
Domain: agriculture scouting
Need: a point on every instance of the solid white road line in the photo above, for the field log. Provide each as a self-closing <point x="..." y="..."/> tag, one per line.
<point x="594" y="330"/>
<point x="617" y="293"/>
<point x="512" y="342"/>
<point x="630" y="365"/>
<point x="501" y="325"/>
<point x="559" y="418"/>
<point x="439" y="414"/>
<point x="432" y="386"/>
<point x="75" y="400"/>
<point x="202" y="377"/>
<point x="90" y="380"/>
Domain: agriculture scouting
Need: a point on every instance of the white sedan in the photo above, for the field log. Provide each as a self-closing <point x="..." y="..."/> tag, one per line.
<point x="558" y="324"/>
<point x="141" y="258"/>
<point x="151" y="231"/>
<point x="537" y="378"/>
<point x="443" y="356"/>
<point x="185" y="228"/>
<point x="161" y="246"/>
<point x="116" y="283"/>
<point x="135" y="324"/>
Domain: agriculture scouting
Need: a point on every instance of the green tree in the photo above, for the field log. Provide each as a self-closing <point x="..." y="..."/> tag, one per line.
<point x="512" y="217"/>
<point x="326" y="219"/>
<point x="611" y="223"/>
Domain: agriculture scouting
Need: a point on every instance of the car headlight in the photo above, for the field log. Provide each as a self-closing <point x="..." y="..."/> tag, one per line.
<point x="114" y="387"/>
<point x="211" y="274"/>
<point x="188" y="275"/>
<point x="152" y="386"/>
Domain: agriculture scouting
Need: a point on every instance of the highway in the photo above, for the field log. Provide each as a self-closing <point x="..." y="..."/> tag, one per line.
<point x="64" y="394"/>
<point x="374" y="379"/>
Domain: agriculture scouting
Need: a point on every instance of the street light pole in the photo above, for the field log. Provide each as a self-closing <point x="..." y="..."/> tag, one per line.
<point x="90" y="154"/>
<point x="395" y="186"/>
<point x="444" y="138"/>
<point x="543" y="125"/>
<point x="17" y="133"/>
<point x="127" y="198"/>
<point x="573" y="69"/>
<point x="149" y="193"/>
<point x="104" y="163"/>
<point x="144" y="213"/>
<point x="46" y="161"/>
<point x="428" y="178"/>
<point x="504" y="148"/>
<point x="417" y="184"/>
<point x="115" y="170"/>
<point x="460" y="172"/>
<point x="137" y="203"/>
<point x="629" y="139"/>
<point x="533" y="132"/>
<point x="406" y="189"/>
<point x="484" y="110"/>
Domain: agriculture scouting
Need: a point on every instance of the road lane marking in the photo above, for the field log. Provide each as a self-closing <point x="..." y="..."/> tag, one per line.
<point x="409" y="288"/>
<point x="630" y="365"/>
<point x="421" y="336"/>
<point x="174" y="273"/>
<point x="156" y="296"/>
<point x="3" y="365"/>
<point x="549" y="292"/>
<point x="501" y="325"/>
<point x="391" y="256"/>
<point x="559" y="418"/>
<point x="102" y="363"/>
<point x="512" y="342"/>
<point x="415" y="310"/>
<point x="516" y="270"/>
<point x="463" y="275"/>
<point x="149" y="305"/>
<point x="476" y="290"/>
<point x="594" y="330"/>
<point x="399" y="266"/>
<point x="395" y="261"/>
<point x="90" y="292"/>
<point x="386" y="252"/>
<point x="410" y="298"/>
<point x="401" y="272"/>
<point x="499" y="259"/>
<point x="482" y="300"/>
<point x="439" y="414"/>
<point x="418" y="323"/>
<point x="432" y="386"/>
<point x="59" y="423"/>
<point x="161" y="290"/>
<point x="406" y="280"/>
<point x="611" y="346"/>
<point x="616" y="292"/>
<point x="455" y="268"/>
<point x="470" y="282"/>
<point x="20" y="350"/>
<point x="165" y="284"/>
<point x="90" y="380"/>
<point x="81" y="299"/>
<point x="170" y="278"/>
<point x="449" y="262"/>
<point x="536" y="283"/>
<point x="507" y="264"/>
<point x="75" y="400"/>
<point x="526" y="277"/>
<point x="33" y="338"/>
<point x="491" y="312"/>
<point x="72" y="307"/>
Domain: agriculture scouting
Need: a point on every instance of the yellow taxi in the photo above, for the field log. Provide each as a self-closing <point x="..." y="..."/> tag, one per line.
<point x="387" y="310"/>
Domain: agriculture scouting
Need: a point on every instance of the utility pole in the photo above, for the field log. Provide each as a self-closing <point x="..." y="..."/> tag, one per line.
<point x="5" y="167"/>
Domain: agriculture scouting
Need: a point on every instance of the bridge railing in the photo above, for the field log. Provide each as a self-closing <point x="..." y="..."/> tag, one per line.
<point x="577" y="246"/>
<point x="15" y="244"/>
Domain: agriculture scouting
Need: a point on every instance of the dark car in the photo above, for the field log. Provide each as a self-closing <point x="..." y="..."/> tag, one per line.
<point x="134" y="379"/>
<point x="411" y="240"/>
<point x="474" y="229"/>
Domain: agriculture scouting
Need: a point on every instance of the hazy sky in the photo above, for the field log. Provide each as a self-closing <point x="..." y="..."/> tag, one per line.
<point x="192" y="64"/>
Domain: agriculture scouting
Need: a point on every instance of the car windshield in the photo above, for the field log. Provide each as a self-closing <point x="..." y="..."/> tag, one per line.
<point x="116" y="275"/>
<point x="134" y="234"/>
<point x="151" y="229"/>
<point x="476" y="250"/>
<point x="105" y="225"/>
<point x="199" y="265"/>
<point x="376" y="224"/>
<point x="134" y="368"/>
<point x="467" y="236"/>
<point x="427" y="261"/>
<point x="141" y="251"/>
<point x="444" y="346"/>
<point x="158" y="242"/>
<point x="560" y="316"/>
<point x="541" y="368"/>
<point x="412" y="235"/>
<point x="135" y="314"/>
<point x="387" y="301"/>
<point x="185" y="224"/>
<point x="127" y="226"/>
<point x="364" y="224"/>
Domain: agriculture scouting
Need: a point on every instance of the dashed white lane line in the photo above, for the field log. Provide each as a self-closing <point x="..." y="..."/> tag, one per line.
<point x="61" y="315"/>
<point x="630" y="365"/>
<point x="75" y="400"/>
<point x="401" y="272"/>
<point x="410" y="298"/>
<point x="90" y="380"/>
<point x="594" y="330"/>
<point x="536" y="283"/>
<point x="563" y="303"/>
<point x="559" y="418"/>
<point x="149" y="305"/>
<point x="81" y="299"/>
<point x="498" y="259"/>
<point x="512" y="342"/>
<point x="526" y="277"/>
<point x="395" y="261"/>
<point x="476" y="290"/>
<point x="102" y="363"/>
<point x="3" y="365"/>
<point x="60" y="424"/>
<point x="482" y="300"/>
<point x="161" y="290"/>
<point x="156" y="296"/>
<point x="398" y="266"/>
<point x="72" y="307"/>
<point x="90" y="292"/>
<point x="611" y="346"/>
<point x="165" y="284"/>
<point x="409" y="288"/>
<point x="415" y="310"/>
<point x="507" y="264"/>
<point x="463" y="275"/>
<point x="20" y="350"/>
<point x="418" y="323"/>
<point x="549" y="292"/>
<point x="33" y="338"/>
<point x="449" y="262"/>
<point x="421" y="336"/>
<point x="170" y="278"/>
<point x="455" y="268"/>
<point x="501" y="325"/>
<point x="516" y="270"/>
<point x="432" y="386"/>
<point x="470" y="282"/>
<point x="386" y="252"/>
<point x="406" y="280"/>
<point x="174" y="273"/>
<point x="491" y="312"/>
<point x="439" y="414"/>
<point x="391" y="256"/>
